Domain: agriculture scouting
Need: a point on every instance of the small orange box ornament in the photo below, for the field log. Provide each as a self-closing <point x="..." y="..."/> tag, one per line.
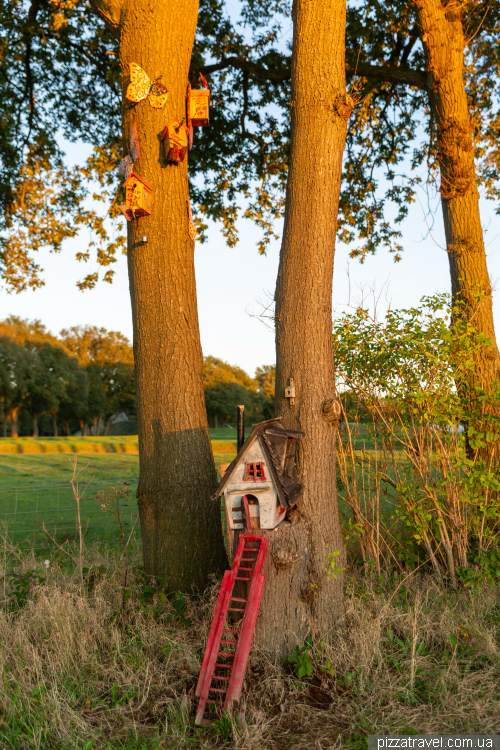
<point x="175" y="141"/>
<point x="198" y="105"/>
<point x="138" y="197"/>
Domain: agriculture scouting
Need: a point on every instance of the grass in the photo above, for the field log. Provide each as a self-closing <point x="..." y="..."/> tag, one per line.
<point x="128" y="444"/>
<point x="416" y="657"/>
<point x="35" y="489"/>
<point x="89" y="445"/>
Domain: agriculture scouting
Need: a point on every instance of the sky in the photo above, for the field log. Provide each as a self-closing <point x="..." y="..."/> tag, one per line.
<point x="234" y="282"/>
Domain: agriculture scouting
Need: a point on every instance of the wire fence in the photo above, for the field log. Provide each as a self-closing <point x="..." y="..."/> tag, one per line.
<point x="25" y="511"/>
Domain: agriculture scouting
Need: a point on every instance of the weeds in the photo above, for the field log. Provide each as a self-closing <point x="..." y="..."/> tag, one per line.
<point x="416" y="657"/>
<point x="415" y="469"/>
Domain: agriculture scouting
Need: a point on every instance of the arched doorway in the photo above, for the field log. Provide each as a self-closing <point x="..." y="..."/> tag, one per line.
<point x="253" y="506"/>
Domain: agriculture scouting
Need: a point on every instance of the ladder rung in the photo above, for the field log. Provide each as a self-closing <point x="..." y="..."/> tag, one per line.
<point x="217" y="690"/>
<point x="238" y="578"/>
<point x="226" y="630"/>
<point x="226" y="666"/>
<point x="224" y="653"/>
<point x="229" y="641"/>
<point x="248" y="559"/>
<point x="209" y="700"/>
<point x="216" y="677"/>
<point x="240" y="567"/>
<point x="235" y="599"/>
<point x="235" y="609"/>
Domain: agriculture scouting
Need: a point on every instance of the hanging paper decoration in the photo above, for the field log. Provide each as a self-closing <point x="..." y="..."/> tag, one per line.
<point x="127" y="164"/>
<point x="191" y="225"/>
<point x="175" y="141"/>
<point x="138" y="195"/>
<point x="141" y="87"/>
<point x="198" y="105"/>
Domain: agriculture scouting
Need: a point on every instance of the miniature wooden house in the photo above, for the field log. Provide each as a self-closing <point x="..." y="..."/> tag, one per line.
<point x="175" y="141"/>
<point x="264" y="471"/>
<point x="138" y="197"/>
<point x="198" y="106"/>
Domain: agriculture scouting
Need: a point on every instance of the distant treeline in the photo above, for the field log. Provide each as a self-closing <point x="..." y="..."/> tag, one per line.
<point x="80" y="380"/>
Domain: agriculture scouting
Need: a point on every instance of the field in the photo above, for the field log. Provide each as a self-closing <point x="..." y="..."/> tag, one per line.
<point x="223" y="441"/>
<point x="35" y="489"/>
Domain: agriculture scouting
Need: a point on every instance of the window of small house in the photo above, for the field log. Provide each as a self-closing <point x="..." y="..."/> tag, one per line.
<point x="255" y="471"/>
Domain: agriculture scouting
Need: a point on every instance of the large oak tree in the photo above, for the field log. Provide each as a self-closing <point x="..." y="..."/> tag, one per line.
<point x="180" y="525"/>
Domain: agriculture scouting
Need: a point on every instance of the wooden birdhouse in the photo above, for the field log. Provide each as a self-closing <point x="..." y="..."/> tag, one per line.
<point x="138" y="197"/>
<point x="175" y="141"/>
<point x="198" y="106"/>
<point x="264" y="472"/>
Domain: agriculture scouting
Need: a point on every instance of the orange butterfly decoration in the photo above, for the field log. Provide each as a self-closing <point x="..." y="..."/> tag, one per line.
<point x="141" y="87"/>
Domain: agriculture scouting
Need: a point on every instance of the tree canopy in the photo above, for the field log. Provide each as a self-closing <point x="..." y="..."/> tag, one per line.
<point x="60" y="80"/>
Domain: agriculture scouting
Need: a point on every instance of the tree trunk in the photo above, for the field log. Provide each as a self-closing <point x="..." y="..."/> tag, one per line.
<point x="96" y="430"/>
<point x="443" y="39"/>
<point x="35" y="425"/>
<point x="181" y="527"/>
<point x="107" y="429"/>
<point x="5" y="426"/>
<point x="299" y="598"/>
<point x="12" y="417"/>
<point x="54" y="422"/>
<point x="66" y="425"/>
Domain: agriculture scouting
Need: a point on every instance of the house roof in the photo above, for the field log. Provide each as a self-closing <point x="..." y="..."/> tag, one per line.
<point x="134" y="176"/>
<point x="274" y="444"/>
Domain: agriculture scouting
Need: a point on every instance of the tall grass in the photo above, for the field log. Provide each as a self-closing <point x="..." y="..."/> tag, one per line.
<point x="415" y="657"/>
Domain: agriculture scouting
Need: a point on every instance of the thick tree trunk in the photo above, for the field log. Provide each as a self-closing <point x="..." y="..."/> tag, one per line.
<point x="35" y="425"/>
<point x="181" y="527"/>
<point x="299" y="598"/>
<point x="54" y="423"/>
<point x="66" y="425"/>
<point x="107" y="429"/>
<point x="443" y="39"/>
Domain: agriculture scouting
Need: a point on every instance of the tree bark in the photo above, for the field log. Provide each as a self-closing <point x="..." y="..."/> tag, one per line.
<point x="35" y="425"/>
<point x="12" y="417"/>
<point x="181" y="527"/>
<point x="299" y="598"/>
<point x="444" y="42"/>
<point x="54" y="423"/>
<point x="66" y="424"/>
<point x="96" y="429"/>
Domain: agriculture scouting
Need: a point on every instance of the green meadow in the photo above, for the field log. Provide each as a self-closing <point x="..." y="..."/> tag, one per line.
<point x="35" y="488"/>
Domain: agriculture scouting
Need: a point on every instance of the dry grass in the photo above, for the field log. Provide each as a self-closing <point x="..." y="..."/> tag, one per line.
<point x="418" y="658"/>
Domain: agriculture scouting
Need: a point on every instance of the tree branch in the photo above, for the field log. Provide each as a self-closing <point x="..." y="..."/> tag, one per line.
<point x="111" y="12"/>
<point x="382" y="73"/>
<point x="389" y="74"/>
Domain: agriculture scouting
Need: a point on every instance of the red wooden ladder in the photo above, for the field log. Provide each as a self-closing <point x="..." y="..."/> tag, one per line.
<point x="225" y="661"/>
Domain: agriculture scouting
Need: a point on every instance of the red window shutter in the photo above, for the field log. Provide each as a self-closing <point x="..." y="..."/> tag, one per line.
<point x="255" y="471"/>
